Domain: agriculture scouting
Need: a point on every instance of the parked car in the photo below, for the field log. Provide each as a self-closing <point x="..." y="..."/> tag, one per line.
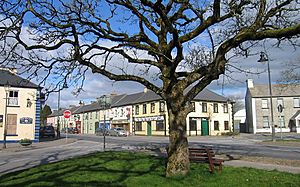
<point x="118" y="131"/>
<point x="99" y="131"/>
<point x="71" y="130"/>
<point x="47" y="131"/>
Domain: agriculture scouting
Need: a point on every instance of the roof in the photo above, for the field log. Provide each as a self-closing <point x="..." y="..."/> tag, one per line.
<point x="295" y="115"/>
<point x="207" y="95"/>
<point x="14" y="80"/>
<point x="149" y="95"/>
<point x="278" y="90"/>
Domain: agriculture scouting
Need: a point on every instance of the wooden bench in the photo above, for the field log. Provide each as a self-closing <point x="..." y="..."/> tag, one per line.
<point x="205" y="155"/>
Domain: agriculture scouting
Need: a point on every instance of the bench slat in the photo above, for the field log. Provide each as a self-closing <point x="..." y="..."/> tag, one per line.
<point x="205" y="155"/>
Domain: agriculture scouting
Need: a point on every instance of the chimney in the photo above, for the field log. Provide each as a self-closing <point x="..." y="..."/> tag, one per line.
<point x="145" y="90"/>
<point x="81" y="103"/>
<point x="250" y="83"/>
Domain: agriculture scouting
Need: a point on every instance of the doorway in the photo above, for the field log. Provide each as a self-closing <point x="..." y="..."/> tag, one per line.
<point x="204" y="127"/>
<point x="149" y="128"/>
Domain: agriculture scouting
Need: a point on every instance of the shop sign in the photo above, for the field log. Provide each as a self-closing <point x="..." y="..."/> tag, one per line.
<point x="151" y="118"/>
<point x="26" y="120"/>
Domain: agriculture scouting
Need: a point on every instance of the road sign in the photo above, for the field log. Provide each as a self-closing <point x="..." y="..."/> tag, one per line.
<point x="280" y="108"/>
<point x="67" y="114"/>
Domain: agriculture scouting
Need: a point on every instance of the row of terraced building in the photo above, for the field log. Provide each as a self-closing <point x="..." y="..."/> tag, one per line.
<point x="145" y="113"/>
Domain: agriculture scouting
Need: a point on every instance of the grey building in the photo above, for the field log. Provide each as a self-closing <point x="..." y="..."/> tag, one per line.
<point x="258" y="110"/>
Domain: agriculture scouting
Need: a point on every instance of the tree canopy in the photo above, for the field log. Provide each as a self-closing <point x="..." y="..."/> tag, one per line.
<point x="167" y="46"/>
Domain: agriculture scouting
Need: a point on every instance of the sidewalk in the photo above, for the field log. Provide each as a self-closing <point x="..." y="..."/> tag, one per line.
<point x="259" y="165"/>
<point x="16" y="147"/>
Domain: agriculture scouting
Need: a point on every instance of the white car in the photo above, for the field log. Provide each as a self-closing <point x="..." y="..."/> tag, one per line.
<point x="118" y="131"/>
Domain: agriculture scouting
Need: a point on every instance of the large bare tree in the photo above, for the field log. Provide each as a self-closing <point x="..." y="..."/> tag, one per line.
<point x="145" y="41"/>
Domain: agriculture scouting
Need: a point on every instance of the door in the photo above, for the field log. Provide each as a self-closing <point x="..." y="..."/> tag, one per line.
<point x="149" y="128"/>
<point x="204" y="127"/>
<point x="11" y="123"/>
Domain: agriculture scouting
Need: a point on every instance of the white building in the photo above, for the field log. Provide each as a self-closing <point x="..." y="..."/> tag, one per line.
<point x="20" y="108"/>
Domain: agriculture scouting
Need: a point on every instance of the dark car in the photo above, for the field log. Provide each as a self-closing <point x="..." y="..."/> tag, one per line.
<point x="47" y="131"/>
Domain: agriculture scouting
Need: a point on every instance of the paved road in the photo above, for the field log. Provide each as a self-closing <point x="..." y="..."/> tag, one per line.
<point x="17" y="160"/>
<point x="227" y="145"/>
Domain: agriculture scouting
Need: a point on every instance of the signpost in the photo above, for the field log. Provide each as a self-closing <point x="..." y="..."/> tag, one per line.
<point x="280" y="109"/>
<point x="67" y="115"/>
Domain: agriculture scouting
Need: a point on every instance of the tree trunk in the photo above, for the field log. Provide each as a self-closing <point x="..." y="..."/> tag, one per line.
<point x="178" y="158"/>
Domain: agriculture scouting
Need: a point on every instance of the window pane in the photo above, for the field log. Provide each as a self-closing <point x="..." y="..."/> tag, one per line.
<point x="144" y="108"/>
<point x="296" y="102"/>
<point x="204" y="107"/>
<point x="152" y="107"/>
<point x="226" y="125"/>
<point x="225" y="108"/>
<point x="264" y="103"/>
<point x="193" y="125"/>
<point x="265" y="121"/>
<point x="215" y="107"/>
<point x="281" y="121"/>
<point x="161" y="106"/>
<point x="160" y="126"/>
<point x="138" y="126"/>
<point x="280" y="101"/>
<point x="216" y="125"/>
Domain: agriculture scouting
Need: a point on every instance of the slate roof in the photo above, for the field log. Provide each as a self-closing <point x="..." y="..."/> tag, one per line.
<point x="14" y="80"/>
<point x="141" y="97"/>
<point x="278" y="90"/>
<point x="208" y="95"/>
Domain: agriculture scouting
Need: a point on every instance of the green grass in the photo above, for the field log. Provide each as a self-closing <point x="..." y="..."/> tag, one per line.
<point x="137" y="169"/>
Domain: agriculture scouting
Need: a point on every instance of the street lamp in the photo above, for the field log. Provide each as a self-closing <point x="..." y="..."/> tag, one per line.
<point x="58" y="102"/>
<point x="264" y="58"/>
<point x="104" y="106"/>
<point x="6" y="88"/>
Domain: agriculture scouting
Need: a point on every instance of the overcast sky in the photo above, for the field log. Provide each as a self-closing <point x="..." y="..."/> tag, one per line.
<point x="97" y="85"/>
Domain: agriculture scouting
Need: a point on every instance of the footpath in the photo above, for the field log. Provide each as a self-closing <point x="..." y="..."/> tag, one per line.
<point x="15" y="147"/>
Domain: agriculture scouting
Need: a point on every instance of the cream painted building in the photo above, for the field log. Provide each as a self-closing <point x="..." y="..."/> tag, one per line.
<point x="20" y="115"/>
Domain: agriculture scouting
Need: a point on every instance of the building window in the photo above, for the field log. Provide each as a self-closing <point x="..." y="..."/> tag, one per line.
<point x="296" y="102"/>
<point x="138" y="126"/>
<point x="204" y="107"/>
<point x="225" y="108"/>
<point x="265" y="121"/>
<point x="160" y="126"/>
<point x="281" y="121"/>
<point x="264" y="103"/>
<point x="280" y="101"/>
<point x="152" y="107"/>
<point x="91" y="115"/>
<point x="193" y="106"/>
<point x="122" y="112"/>
<point x="96" y="115"/>
<point x="144" y="108"/>
<point x="13" y="98"/>
<point x="216" y="125"/>
<point x="193" y="124"/>
<point x="137" y="109"/>
<point x="116" y="113"/>
<point x="216" y="108"/>
<point x="226" y="125"/>
<point x="161" y="106"/>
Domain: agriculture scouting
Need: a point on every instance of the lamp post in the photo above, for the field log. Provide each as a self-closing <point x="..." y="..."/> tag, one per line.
<point x="264" y="58"/>
<point x="6" y="88"/>
<point x="104" y="106"/>
<point x="58" y="103"/>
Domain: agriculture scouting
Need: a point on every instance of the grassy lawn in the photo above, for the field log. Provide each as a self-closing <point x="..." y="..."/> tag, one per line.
<point x="137" y="169"/>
